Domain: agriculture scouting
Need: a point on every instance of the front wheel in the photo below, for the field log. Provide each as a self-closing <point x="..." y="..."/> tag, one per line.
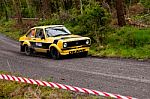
<point x="54" y="53"/>
<point x="28" y="51"/>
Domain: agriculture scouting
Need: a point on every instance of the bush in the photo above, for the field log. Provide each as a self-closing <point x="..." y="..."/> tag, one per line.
<point x="130" y="37"/>
<point x="93" y="22"/>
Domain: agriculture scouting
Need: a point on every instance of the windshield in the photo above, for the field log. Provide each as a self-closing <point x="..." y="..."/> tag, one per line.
<point x="57" y="31"/>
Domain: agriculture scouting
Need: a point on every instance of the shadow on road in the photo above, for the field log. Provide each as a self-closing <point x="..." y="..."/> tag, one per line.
<point x="44" y="55"/>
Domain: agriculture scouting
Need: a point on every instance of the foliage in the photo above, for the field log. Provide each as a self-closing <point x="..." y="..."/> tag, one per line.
<point x="93" y="23"/>
<point x="130" y="37"/>
<point x="143" y="18"/>
<point x="129" y="42"/>
<point x="146" y="3"/>
<point x="8" y="28"/>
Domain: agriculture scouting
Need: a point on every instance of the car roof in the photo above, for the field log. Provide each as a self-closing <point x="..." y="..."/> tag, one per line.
<point x="48" y="26"/>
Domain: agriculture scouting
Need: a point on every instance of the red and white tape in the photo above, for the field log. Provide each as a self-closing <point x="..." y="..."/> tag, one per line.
<point x="62" y="86"/>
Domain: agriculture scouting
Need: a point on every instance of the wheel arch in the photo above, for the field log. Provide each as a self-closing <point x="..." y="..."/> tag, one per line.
<point x="22" y="46"/>
<point x="26" y="43"/>
<point x="54" y="46"/>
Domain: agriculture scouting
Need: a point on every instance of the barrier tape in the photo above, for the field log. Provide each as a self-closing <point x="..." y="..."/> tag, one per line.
<point x="62" y="86"/>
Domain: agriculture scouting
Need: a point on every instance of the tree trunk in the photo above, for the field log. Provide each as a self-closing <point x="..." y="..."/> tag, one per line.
<point x="30" y="10"/>
<point x="17" y="7"/>
<point x="81" y="7"/>
<point x="77" y="5"/>
<point x="46" y="11"/>
<point x="120" y="12"/>
<point x="6" y="12"/>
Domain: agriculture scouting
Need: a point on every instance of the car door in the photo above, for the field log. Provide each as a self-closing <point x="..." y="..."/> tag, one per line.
<point x="39" y="40"/>
<point x="30" y="37"/>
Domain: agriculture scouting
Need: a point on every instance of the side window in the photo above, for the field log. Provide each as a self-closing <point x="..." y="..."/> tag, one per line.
<point x="48" y="33"/>
<point x="39" y="33"/>
<point x="31" y="33"/>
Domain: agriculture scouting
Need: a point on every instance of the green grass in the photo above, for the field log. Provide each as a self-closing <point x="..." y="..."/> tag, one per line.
<point x="16" y="90"/>
<point x="9" y="29"/>
<point x="137" y="53"/>
<point x="126" y="42"/>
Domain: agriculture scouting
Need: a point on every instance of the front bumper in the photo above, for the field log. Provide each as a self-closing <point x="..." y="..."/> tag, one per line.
<point x="74" y="51"/>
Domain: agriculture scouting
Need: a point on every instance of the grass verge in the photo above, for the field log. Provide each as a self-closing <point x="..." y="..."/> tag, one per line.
<point x="125" y="42"/>
<point x="16" y="90"/>
<point x="9" y="29"/>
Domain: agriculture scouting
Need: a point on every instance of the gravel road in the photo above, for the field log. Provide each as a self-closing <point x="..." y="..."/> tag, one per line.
<point x="119" y="76"/>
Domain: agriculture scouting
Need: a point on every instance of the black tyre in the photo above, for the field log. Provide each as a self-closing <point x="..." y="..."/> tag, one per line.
<point x="54" y="53"/>
<point x="22" y="48"/>
<point x="48" y="54"/>
<point x="28" y="51"/>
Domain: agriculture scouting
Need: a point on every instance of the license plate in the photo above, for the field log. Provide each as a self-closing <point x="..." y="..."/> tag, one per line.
<point x="77" y="51"/>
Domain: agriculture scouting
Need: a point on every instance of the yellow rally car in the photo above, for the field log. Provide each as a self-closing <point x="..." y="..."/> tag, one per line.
<point x="55" y="40"/>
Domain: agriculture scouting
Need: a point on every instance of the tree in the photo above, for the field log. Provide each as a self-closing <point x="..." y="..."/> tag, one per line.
<point x="45" y="8"/>
<point x="146" y="4"/>
<point x="6" y="11"/>
<point x="30" y="8"/>
<point x="17" y="7"/>
<point x="81" y="7"/>
<point x="120" y="12"/>
<point x="4" y="6"/>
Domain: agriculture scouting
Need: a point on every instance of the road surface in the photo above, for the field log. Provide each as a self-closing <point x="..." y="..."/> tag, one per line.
<point x="120" y="76"/>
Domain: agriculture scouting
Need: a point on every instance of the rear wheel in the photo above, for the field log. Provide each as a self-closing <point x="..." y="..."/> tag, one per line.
<point x="28" y="51"/>
<point x="54" y="53"/>
<point x="22" y="48"/>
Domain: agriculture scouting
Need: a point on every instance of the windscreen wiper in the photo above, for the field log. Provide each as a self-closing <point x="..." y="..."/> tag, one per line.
<point x="61" y="35"/>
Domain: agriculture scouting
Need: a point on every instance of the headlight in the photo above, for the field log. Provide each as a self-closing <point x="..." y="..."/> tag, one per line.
<point x="87" y="42"/>
<point x="65" y="45"/>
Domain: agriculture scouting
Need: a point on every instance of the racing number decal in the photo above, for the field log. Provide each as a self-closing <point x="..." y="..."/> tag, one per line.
<point x="38" y="44"/>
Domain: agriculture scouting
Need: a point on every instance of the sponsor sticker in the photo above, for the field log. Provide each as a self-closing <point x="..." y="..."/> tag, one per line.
<point x="38" y="44"/>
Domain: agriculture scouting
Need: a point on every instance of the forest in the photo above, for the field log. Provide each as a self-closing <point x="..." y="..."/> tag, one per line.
<point x="117" y="28"/>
